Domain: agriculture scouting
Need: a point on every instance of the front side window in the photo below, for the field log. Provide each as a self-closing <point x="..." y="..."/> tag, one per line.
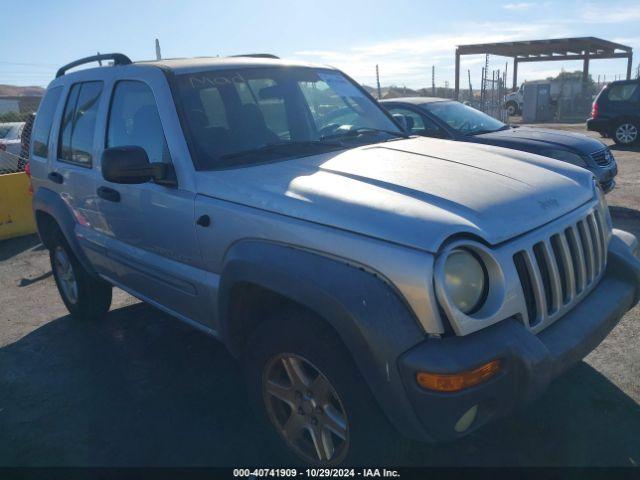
<point x="622" y="92"/>
<point x="79" y="123"/>
<point x="253" y="115"/>
<point x="44" y="121"/>
<point x="466" y="120"/>
<point x="134" y="120"/>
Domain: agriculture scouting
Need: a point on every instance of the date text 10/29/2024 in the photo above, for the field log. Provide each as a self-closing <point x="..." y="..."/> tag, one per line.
<point x="315" y="473"/>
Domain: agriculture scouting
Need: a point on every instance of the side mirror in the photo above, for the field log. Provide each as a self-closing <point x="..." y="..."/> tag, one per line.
<point x="130" y="165"/>
<point x="401" y="121"/>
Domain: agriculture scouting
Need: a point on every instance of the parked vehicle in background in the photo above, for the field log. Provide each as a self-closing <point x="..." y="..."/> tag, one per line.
<point x="443" y="118"/>
<point x="370" y="282"/>
<point x="559" y="88"/>
<point x="10" y="137"/>
<point x="25" y="140"/>
<point x="514" y="101"/>
<point x="616" y="112"/>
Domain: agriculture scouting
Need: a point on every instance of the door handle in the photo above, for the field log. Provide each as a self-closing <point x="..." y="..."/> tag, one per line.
<point x="55" y="177"/>
<point x="109" y="194"/>
<point x="204" y="221"/>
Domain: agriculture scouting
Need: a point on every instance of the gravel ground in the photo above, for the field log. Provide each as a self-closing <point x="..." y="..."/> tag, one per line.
<point x="140" y="388"/>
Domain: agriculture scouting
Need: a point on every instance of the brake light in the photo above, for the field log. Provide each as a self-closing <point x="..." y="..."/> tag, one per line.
<point x="594" y="110"/>
<point x="27" y="171"/>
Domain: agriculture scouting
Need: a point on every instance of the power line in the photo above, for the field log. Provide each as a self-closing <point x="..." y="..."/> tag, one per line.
<point x="5" y="62"/>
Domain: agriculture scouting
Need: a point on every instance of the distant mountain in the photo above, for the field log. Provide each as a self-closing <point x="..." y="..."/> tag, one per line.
<point x="15" y="91"/>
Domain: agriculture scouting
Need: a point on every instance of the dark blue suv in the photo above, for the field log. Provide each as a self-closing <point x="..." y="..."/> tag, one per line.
<point x="616" y="112"/>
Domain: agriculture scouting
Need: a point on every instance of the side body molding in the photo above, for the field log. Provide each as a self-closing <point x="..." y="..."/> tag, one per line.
<point x="371" y="319"/>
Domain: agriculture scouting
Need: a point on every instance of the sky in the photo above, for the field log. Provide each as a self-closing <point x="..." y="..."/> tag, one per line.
<point x="404" y="37"/>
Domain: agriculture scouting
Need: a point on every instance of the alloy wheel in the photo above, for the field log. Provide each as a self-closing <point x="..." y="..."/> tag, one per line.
<point x="65" y="275"/>
<point x="305" y="409"/>
<point x="627" y="133"/>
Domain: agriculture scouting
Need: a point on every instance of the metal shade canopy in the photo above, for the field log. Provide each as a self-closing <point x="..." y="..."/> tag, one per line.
<point x="554" y="49"/>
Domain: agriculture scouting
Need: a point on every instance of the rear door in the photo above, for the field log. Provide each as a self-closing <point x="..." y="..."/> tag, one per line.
<point x="73" y="170"/>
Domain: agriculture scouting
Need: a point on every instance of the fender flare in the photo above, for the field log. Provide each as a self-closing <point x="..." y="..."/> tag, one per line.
<point x="374" y="323"/>
<point x="49" y="202"/>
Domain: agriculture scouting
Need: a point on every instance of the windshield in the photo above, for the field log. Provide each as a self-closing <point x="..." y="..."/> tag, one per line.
<point x="464" y="119"/>
<point x="253" y="115"/>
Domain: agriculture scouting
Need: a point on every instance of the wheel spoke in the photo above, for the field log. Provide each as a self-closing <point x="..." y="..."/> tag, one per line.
<point x="327" y="444"/>
<point x="293" y="427"/>
<point x="318" y="444"/>
<point x="321" y="389"/>
<point x="285" y="394"/>
<point x="296" y="374"/>
<point x="334" y="420"/>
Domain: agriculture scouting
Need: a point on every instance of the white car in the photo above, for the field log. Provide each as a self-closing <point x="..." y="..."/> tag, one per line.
<point x="10" y="137"/>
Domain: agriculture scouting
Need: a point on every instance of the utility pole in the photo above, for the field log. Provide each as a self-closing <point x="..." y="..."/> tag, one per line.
<point x="506" y="70"/>
<point x="158" y="54"/>
<point x="470" y="87"/>
<point x="378" y="82"/>
<point x="433" y="80"/>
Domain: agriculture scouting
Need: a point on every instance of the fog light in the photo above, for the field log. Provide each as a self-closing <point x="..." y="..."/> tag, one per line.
<point x="466" y="420"/>
<point x="458" y="381"/>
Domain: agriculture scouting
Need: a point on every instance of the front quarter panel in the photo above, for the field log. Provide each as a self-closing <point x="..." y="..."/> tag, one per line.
<point x="408" y="271"/>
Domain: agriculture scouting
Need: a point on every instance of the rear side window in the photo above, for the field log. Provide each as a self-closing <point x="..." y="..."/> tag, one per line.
<point x="79" y="123"/>
<point x="44" y="120"/>
<point x="134" y="120"/>
<point x="622" y="92"/>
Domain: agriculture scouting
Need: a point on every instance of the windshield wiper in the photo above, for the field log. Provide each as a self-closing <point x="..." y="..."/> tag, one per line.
<point x="275" y="147"/>
<point x="480" y="132"/>
<point x="363" y="130"/>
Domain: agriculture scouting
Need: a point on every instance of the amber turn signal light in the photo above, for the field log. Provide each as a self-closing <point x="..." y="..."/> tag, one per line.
<point x="458" y="381"/>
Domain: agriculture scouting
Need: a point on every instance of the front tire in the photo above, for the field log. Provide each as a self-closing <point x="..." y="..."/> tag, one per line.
<point x="311" y="399"/>
<point x="512" y="109"/>
<point x="626" y="132"/>
<point x="85" y="296"/>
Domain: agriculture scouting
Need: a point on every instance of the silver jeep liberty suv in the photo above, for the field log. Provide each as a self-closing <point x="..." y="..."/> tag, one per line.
<point x="374" y="286"/>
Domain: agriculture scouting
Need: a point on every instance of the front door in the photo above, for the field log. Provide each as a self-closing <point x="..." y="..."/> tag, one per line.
<point x="149" y="228"/>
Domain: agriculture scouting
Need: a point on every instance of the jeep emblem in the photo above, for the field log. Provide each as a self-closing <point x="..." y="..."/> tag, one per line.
<point x="550" y="203"/>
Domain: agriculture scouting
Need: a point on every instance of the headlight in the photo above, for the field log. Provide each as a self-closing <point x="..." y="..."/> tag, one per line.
<point x="566" y="156"/>
<point x="465" y="280"/>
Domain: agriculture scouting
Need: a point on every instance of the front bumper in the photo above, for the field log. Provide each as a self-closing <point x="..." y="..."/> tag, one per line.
<point x="529" y="362"/>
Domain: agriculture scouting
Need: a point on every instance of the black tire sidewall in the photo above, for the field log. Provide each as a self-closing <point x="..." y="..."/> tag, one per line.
<point x="298" y="332"/>
<point x="94" y="294"/>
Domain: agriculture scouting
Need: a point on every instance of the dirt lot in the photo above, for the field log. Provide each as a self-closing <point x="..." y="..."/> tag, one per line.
<point x="140" y="388"/>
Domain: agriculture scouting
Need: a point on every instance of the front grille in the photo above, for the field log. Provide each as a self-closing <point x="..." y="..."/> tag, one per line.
<point x="556" y="272"/>
<point x="602" y="157"/>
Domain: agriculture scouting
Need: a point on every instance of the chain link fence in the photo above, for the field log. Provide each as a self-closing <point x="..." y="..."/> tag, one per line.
<point x="14" y="161"/>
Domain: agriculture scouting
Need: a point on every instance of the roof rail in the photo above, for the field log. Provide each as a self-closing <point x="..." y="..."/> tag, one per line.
<point x="257" y="55"/>
<point x="118" y="59"/>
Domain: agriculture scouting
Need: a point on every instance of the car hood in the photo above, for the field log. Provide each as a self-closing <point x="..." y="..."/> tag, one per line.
<point x="540" y="138"/>
<point x="415" y="192"/>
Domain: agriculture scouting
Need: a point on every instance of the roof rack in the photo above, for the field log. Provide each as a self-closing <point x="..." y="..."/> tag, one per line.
<point x="118" y="59"/>
<point x="257" y="55"/>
